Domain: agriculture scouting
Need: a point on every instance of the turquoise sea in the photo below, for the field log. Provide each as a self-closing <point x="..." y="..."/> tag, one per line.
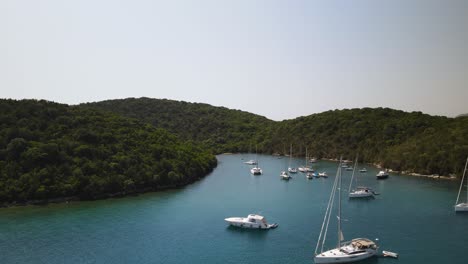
<point x="412" y="216"/>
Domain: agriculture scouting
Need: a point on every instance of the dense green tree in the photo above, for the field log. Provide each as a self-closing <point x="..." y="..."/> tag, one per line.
<point x="50" y="150"/>
<point x="395" y="139"/>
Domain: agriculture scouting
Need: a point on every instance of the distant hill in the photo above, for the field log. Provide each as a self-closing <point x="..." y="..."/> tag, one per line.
<point x="116" y="147"/>
<point x="50" y="150"/>
<point x="462" y="115"/>
<point x="395" y="139"/>
<point x="218" y="128"/>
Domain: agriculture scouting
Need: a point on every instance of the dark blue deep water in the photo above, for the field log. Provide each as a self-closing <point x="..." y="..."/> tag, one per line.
<point x="412" y="216"/>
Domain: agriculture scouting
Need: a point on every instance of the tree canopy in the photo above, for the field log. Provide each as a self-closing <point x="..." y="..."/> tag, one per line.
<point x="395" y="139"/>
<point x="50" y="150"/>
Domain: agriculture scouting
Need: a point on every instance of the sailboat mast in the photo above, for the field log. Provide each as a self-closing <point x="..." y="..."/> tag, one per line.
<point x="256" y="157"/>
<point x="352" y="176"/>
<point x="290" y="155"/>
<point x="461" y="184"/>
<point x="464" y="172"/>
<point x="339" y="208"/>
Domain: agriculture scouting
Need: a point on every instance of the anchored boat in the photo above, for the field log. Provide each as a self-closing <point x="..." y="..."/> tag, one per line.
<point x="351" y="251"/>
<point x="463" y="206"/>
<point x="253" y="221"/>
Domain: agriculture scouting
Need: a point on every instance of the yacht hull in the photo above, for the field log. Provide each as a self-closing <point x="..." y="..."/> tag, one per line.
<point x="251" y="222"/>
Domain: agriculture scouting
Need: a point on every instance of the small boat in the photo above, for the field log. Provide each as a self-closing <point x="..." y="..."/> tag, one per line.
<point x="389" y="254"/>
<point x="382" y="175"/>
<point x="302" y="169"/>
<point x="349" y="168"/>
<point x="256" y="171"/>
<point x="309" y="169"/>
<point x="311" y="175"/>
<point x="323" y="174"/>
<point x="253" y="221"/>
<point x="285" y="176"/>
<point x="462" y="207"/>
<point x="313" y="160"/>
<point x="363" y="170"/>
<point x="251" y="162"/>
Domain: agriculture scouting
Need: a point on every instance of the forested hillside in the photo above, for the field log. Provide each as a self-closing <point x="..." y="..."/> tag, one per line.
<point x="219" y="128"/>
<point x="397" y="140"/>
<point x="50" y="150"/>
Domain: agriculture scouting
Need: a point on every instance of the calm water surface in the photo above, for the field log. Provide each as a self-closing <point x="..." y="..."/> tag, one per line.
<point x="412" y="216"/>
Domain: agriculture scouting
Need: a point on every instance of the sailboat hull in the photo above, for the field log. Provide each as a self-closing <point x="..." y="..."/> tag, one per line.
<point x="361" y="193"/>
<point x="462" y="207"/>
<point x="338" y="256"/>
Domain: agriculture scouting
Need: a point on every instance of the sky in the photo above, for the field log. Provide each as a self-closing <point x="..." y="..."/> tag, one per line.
<point x="278" y="59"/>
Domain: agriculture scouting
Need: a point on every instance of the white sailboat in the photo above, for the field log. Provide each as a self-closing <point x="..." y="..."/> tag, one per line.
<point x="462" y="207"/>
<point x="306" y="167"/>
<point x="291" y="169"/>
<point x="285" y="176"/>
<point x="359" y="191"/>
<point x="256" y="170"/>
<point x="351" y="251"/>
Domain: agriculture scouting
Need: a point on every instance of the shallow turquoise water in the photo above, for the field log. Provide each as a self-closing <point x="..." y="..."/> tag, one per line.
<point x="412" y="216"/>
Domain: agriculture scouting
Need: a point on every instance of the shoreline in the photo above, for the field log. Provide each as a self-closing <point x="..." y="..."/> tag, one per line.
<point x="103" y="196"/>
<point x="407" y="173"/>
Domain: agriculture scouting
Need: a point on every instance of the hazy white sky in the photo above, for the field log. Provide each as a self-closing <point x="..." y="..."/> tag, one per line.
<point x="279" y="59"/>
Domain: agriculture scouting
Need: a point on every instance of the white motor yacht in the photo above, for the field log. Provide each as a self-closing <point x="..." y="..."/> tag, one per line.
<point x="251" y="221"/>
<point x="382" y="175"/>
